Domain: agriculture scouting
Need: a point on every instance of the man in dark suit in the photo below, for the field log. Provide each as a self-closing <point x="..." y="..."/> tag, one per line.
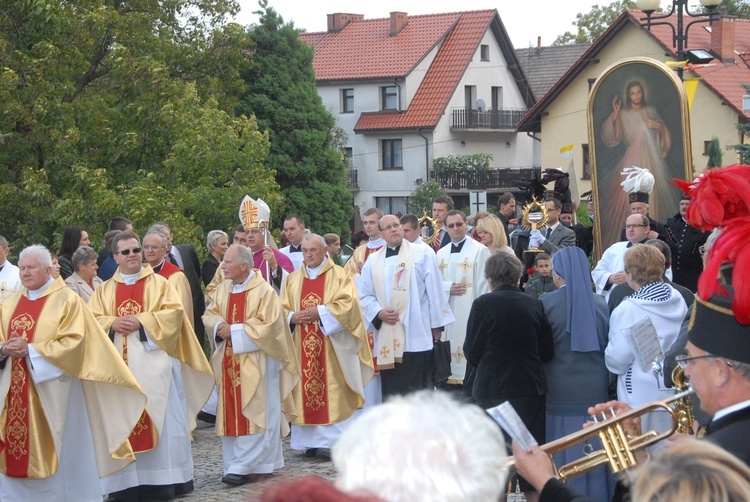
<point x="186" y="257"/>
<point x="116" y="223"/>
<point x="507" y="205"/>
<point x="440" y="208"/>
<point x="555" y="236"/>
<point x="688" y="263"/>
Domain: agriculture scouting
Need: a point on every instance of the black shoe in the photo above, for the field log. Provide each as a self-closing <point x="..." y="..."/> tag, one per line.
<point x="311" y="453"/>
<point x="323" y="454"/>
<point x="234" y="479"/>
<point x="206" y="417"/>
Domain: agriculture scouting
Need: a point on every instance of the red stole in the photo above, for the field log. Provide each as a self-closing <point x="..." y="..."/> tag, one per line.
<point x="129" y="301"/>
<point x="313" y="356"/>
<point x="235" y="423"/>
<point x="370" y="336"/>
<point x="16" y="434"/>
<point x="167" y="269"/>
<point x="369" y="251"/>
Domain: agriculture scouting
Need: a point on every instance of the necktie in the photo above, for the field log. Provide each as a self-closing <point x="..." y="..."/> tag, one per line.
<point x="172" y="259"/>
<point x="436" y="244"/>
<point x="549" y="232"/>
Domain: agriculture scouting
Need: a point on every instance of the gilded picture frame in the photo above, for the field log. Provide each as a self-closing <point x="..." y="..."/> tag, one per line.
<point x="650" y="129"/>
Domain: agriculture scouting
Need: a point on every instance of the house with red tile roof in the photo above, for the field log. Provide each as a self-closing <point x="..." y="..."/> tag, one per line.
<point x="409" y="89"/>
<point x="560" y="115"/>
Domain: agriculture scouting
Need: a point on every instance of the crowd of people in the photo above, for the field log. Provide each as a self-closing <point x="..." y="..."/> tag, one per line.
<point x="139" y="341"/>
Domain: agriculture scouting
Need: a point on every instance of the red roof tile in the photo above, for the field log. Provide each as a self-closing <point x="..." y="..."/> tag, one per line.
<point x="441" y="79"/>
<point x="365" y="50"/>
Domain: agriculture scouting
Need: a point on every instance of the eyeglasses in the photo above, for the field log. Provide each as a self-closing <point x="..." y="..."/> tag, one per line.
<point x="146" y="247"/>
<point x="391" y="226"/>
<point x="634" y="225"/>
<point x="684" y="360"/>
<point x="126" y="252"/>
<point x="454" y="225"/>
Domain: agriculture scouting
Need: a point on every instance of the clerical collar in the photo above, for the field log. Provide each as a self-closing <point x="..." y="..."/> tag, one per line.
<point x="131" y="279"/>
<point x="313" y="272"/>
<point x="376" y="243"/>
<point x="630" y="244"/>
<point x="158" y="267"/>
<point x="33" y="294"/>
<point x="389" y="251"/>
<point x="295" y="249"/>
<point x="456" y="247"/>
<point x="730" y="409"/>
<point x="238" y="288"/>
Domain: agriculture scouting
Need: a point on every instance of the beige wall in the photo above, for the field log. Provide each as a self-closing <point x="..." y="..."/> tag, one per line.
<point x="564" y="121"/>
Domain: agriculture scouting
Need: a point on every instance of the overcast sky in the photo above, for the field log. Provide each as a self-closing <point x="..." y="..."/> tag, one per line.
<point x="525" y="20"/>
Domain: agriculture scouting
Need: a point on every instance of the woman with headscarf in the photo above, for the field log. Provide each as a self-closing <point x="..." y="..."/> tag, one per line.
<point x="577" y="376"/>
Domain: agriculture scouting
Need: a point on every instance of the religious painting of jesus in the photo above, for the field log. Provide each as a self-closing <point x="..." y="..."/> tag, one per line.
<point x="637" y="116"/>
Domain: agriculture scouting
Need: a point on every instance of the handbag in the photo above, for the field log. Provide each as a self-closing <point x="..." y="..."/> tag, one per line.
<point x="441" y="361"/>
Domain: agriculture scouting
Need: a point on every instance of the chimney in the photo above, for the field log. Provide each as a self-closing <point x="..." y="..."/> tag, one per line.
<point x="539" y="42"/>
<point x="337" y="21"/>
<point x="722" y="39"/>
<point x="398" y="22"/>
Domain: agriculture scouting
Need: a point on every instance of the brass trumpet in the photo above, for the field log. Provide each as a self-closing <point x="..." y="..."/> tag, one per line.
<point x="618" y="446"/>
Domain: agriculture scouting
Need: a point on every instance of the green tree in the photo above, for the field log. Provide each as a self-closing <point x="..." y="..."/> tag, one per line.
<point x="739" y="8"/>
<point x="109" y="109"/>
<point x="421" y="198"/>
<point x="591" y="24"/>
<point x="282" y="95"/>
<point x="714" y="153"/>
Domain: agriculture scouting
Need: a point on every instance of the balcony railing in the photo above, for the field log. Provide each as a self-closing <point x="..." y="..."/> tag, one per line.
<point x="352" y="179"/>
<point x="508" y="178"/>
<point x="500" y="119"/>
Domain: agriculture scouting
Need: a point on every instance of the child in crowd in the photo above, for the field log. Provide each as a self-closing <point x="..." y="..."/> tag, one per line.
<point x="541" y="281"/>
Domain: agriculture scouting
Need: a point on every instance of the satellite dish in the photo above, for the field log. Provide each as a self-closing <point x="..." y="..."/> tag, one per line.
<point x="480" y="105"/>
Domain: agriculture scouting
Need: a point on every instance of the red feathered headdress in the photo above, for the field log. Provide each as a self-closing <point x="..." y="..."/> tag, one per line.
<point x="730" y="247"/>
<point x="718" y="195"/>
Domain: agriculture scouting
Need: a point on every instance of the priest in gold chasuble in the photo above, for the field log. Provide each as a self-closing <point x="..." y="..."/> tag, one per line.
<point x="256" y="369"/>
<point x="321" y="301"/>
<point x="145" y="319"/>
<point x="69" y="400"/>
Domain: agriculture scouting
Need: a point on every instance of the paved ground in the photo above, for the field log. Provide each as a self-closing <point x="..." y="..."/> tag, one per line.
<point x="208" y="470"/>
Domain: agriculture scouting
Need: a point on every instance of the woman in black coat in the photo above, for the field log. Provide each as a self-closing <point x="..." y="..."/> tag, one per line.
<point x="508" y="339"/>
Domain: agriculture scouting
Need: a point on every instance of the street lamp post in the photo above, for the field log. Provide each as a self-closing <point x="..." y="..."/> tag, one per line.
<point x="679" y="35"/>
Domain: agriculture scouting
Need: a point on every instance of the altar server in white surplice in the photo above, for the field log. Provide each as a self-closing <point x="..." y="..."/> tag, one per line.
<point x="461" y="265"/>
<point x="402" y="297"/>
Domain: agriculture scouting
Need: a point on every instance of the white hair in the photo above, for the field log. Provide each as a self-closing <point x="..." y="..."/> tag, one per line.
<point x="424" y="446"/>
<point x="315" y="237"/>
<point x="244" y="255"/>
<point x="40" y="252"/>
<point x="159" y="233"/>
<point x="213" y="237"/>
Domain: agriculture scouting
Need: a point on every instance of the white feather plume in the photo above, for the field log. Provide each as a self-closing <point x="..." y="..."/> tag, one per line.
<point x="637" y="179"/>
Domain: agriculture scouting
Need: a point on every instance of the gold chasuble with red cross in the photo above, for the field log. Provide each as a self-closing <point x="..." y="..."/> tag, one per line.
<point x="129" y="301"/>
<point x="158" y="308"/>
<point x="335" y="368"/>
<point x="60" y="328"/>
<point x="235" y="424"/>
<point x="242" y="378"/>
<point x="25" y="431"/>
